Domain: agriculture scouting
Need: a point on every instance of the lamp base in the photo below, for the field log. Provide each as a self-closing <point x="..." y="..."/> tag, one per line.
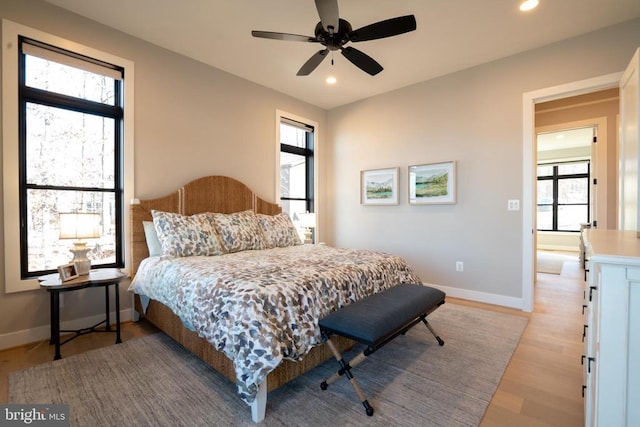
<point x="307" y="236"/>
<point x="82" y="263"/>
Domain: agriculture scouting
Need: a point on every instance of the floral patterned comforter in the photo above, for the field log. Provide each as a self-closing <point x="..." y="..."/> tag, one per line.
<point x="260" y="307"/>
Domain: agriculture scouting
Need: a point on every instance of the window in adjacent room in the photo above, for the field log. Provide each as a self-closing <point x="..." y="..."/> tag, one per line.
<point x="296" y="167"/>
<point x="67" y="148"/>
<point x="563" y="196"/>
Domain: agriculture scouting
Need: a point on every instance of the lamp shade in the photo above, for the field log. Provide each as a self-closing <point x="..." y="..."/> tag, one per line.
<point x="75" y="225"/>
<point x="307" y="220"/>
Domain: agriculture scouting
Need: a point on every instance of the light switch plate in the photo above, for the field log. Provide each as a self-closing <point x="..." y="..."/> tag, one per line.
<point x="513" y="205"/>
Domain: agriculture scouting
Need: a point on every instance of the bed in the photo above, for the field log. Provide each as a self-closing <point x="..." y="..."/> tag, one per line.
<point x="250" y="312"/>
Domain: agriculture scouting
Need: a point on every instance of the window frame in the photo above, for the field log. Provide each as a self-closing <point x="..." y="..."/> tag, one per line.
<point x="11" y="32"/>
<point x="30" y="95"/>
<point x="555" y="177"/>
<point x="308" y="154"/>
<point x="311" y="198"/>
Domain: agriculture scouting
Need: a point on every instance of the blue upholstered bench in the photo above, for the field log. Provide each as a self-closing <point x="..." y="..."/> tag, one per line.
<point x="376" y="320"/>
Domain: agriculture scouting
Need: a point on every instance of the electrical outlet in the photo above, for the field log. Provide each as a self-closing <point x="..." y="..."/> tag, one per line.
<point x="459" y="266"/>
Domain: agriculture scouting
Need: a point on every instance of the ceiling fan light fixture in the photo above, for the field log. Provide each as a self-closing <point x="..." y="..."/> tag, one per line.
<point x="331" y="80"/>
<point x="527" y="5"/>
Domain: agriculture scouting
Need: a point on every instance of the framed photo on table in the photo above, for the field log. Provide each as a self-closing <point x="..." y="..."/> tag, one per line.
<point x="379" y="187"/>
<point x="432" y="183"/>
<point x="67" y="272"/>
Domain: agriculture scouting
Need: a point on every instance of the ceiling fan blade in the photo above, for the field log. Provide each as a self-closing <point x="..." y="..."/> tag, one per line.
<point x="283" y="36"/>
<point x="362" y="60"/>
<point x="329" y="15"/>
<point x="312" y="63"/>
<point x="387" y="28"/>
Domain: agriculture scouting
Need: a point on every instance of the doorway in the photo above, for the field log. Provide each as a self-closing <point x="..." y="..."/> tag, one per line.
<point x="565" y="195"/>
<point x="530" y="100"/>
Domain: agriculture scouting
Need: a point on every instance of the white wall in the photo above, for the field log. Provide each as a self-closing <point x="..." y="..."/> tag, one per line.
<point x="473" y="117"/>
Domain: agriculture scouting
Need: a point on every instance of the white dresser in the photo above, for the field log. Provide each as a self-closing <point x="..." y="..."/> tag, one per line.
<point x="611" y="351"/>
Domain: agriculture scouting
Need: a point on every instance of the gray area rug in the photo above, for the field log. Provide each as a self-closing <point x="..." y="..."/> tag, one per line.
<point x="152" y="381"/>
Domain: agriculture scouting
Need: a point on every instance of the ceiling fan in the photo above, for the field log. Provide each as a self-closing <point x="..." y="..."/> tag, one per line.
<point x="333" y="33"/>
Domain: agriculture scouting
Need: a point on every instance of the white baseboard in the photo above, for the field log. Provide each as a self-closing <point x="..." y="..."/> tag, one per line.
<point x="27" y="336"/>
<point x="483" y="297"/>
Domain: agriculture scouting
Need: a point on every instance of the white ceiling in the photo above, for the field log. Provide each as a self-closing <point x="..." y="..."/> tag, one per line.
<point x="564" y="139"/>
<point x="450" y="36"/>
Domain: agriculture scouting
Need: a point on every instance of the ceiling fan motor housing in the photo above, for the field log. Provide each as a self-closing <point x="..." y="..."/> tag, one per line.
<point x="333" y="40"/>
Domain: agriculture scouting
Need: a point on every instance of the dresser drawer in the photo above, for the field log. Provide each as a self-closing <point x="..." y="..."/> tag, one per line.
<point x="633" y="274"/>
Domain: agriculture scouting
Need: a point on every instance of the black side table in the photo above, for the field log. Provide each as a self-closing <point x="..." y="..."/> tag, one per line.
<point x="96" y="278"/>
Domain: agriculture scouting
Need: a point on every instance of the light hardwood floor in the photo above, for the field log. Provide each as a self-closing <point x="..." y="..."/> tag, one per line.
<point x="541" y="385"/>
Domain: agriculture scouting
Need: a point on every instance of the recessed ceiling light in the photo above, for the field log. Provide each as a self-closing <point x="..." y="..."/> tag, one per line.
<point x="528" y="5"/>
<point x="331" y="80"/>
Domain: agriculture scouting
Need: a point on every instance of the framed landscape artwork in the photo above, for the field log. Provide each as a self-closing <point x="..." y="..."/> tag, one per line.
<point x="379" y="187"/>
<point x="432" y="183"/>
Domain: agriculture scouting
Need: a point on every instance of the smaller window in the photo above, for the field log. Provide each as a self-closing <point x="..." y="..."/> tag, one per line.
<point x="296" y="167"/>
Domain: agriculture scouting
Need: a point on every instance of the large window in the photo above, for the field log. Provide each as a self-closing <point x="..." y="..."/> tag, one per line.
<point x="67" y="147"/>
<point x="296" y="167"/>
<point x="70" y="154"/>
<point x="563" y="196"/>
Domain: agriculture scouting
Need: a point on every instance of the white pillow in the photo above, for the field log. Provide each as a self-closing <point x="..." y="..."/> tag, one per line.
<point x="153" y="244"/>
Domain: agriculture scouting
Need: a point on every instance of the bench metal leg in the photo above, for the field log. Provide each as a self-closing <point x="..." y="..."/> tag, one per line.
<point x="345" y="369"/>
<point x="352" y="364"/>
<point x="440" y="341"/>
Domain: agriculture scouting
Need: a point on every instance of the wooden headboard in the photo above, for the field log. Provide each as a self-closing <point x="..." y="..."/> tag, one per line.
<point x="209" y="194"/>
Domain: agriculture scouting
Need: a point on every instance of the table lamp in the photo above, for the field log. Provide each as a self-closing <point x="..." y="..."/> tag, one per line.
<point x="80" y="226"/>
<point x="307" y="221"/>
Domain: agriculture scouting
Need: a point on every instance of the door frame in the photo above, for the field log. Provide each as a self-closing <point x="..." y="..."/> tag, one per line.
<point x="529" y="155"/>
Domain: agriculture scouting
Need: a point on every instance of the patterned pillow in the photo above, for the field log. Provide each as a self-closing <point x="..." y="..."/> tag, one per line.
<point x="239" y="231"/>
<point x="278" y="230"/>
<point x="182" y="235"/>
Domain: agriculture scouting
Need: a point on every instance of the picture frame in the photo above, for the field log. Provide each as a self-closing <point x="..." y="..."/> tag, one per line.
<point x="67" y="272"/>
<point x="432" y="183"/>
<point x="379" y="186"/>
